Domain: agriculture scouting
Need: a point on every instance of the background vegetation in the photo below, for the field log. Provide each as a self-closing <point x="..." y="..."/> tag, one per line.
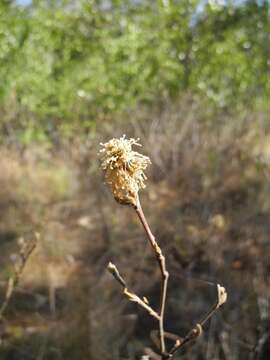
<point x="191" y="79"/>
<point x="67" y="64"/>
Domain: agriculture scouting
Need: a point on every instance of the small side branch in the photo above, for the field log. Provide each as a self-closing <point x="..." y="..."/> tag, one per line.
<point x="198" y="328"/>
<point x="26" y="249"/>
<point x="130" y="295"/>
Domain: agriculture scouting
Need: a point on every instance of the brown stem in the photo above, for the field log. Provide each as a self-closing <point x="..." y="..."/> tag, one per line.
<point x="164" y="273"/>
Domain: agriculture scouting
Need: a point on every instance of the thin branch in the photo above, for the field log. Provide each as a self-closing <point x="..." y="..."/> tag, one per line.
<point x="130" y="295"/>
<point x="115" y="273"/>
<point x="26" y="249"/>
<point x="191" y="335"/>
<point x="221" y="299"/>
<point x="198" y="328"/>
<point x="164" y="273"/>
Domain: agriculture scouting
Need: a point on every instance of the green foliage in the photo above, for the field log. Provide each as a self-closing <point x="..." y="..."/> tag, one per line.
<point x="65" y="65"/>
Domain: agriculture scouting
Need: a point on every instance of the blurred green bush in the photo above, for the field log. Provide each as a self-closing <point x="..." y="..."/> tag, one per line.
<point x="64" y="65"/>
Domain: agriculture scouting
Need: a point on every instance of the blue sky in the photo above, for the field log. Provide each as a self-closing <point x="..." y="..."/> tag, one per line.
<point x="24" y="2"/>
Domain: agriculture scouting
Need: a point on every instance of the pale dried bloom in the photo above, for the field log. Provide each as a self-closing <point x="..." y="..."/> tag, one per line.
<point x="222" y="295"/>
<point x="124" y="169"/>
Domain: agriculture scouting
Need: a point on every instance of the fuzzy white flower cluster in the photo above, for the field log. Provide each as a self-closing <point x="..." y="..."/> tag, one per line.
<point x="124" y="169"/>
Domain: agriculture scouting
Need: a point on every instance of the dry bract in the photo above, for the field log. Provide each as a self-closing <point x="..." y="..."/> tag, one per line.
<point x="124" y="169"/>
<point x="222" y="295"/>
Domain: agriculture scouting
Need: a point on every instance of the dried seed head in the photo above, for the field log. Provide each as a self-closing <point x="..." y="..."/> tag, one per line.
<point x="222" y="295"/>
<point x="124" y="169"/>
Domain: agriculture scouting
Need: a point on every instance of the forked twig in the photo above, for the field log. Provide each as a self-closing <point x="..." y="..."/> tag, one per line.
<point x="26" y="249"/>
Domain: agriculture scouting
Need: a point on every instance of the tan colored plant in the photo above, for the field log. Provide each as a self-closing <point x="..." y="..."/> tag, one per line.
<point x="124" y="173"/>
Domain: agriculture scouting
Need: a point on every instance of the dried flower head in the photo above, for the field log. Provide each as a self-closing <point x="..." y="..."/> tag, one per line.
<point x="124" y="169"/>
<point x="222" y="295"/>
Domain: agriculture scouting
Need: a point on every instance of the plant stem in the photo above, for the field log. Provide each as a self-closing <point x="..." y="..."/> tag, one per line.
<point x="164" y="273"/>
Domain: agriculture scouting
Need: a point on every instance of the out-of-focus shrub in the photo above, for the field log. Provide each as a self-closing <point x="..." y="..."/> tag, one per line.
<point x="67" y="65"/>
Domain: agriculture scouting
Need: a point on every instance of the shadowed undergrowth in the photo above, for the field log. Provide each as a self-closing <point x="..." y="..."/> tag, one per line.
<point x="207" y="204"/>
